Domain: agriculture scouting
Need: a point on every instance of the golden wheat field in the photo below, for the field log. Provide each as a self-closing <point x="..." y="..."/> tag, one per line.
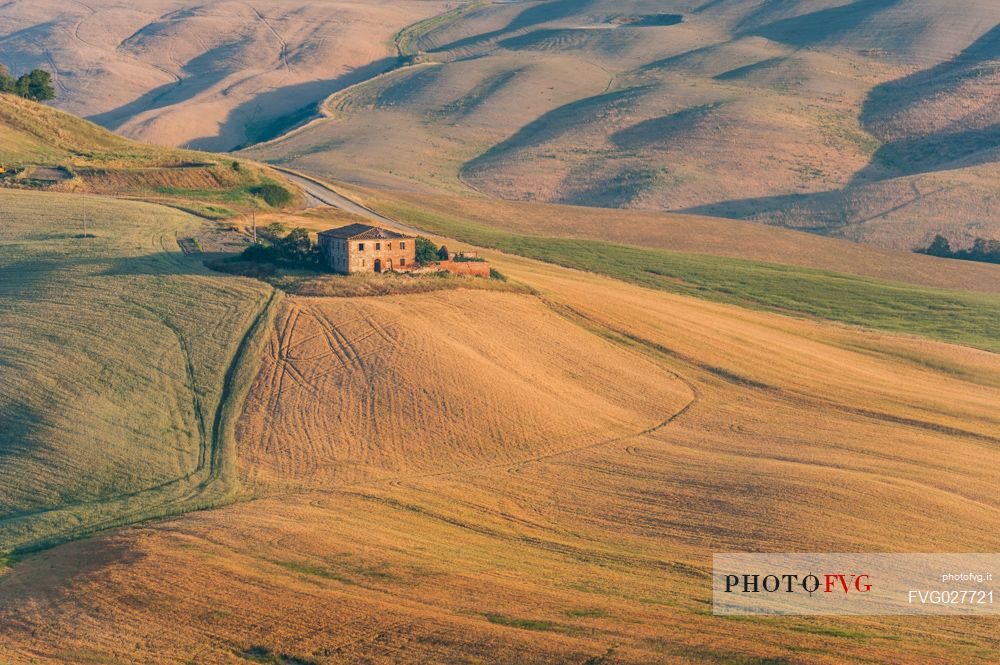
<point x="364" y="389"/>
<point x="581" y="535"/>
<point x="214" y="450"/>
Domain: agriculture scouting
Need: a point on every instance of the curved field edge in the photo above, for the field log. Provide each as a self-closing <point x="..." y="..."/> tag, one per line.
<point x="219" y="487"/>
<point x="196" y="334"/>
<point x="408" y="39"/>
<point x="971" y="319"/>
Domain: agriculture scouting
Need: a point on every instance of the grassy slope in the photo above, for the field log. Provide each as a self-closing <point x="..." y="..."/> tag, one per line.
<point x="115" y="351"/>
<point x="708" y="235"/>
<point x="68" y="138"/>
<point x="104" y="163"/>
<point x="966" y="318"/>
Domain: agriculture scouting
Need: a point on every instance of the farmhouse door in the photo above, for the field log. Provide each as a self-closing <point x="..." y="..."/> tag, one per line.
<point x="378" y="265"/>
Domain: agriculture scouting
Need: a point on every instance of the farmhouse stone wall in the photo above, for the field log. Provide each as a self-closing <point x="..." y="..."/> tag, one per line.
<point x="471" y="268"/>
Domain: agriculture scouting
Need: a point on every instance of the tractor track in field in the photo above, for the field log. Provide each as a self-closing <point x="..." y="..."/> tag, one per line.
<point x="283" y="55"/>
<point x="514" y="466"/>
<point x="792" y="396"/>
<point x="636" y="344"/>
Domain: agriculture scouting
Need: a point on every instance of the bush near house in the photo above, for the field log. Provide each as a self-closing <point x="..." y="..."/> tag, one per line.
<point x="293" y="250"/>
<point x="427" y="251"/>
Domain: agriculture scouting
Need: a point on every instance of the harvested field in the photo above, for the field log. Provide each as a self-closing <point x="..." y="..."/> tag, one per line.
<point x="124" y="181"/>
<point x="362" y="389"/>
<point x="583" y="554"/>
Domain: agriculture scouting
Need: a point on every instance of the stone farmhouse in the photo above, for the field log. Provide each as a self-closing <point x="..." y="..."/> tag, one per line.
<point x="364" y="248"/>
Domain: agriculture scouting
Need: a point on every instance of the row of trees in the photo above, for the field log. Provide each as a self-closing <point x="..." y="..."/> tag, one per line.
<point x="983" y="249"/>
<point x="35" y="85"/>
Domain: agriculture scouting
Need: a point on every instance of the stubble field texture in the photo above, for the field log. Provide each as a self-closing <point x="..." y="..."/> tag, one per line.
<point x="198" y="467"/>
<point x="587" y="533"/>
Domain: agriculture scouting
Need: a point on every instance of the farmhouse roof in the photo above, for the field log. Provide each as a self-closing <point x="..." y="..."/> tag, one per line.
<point x="362" y="232"/>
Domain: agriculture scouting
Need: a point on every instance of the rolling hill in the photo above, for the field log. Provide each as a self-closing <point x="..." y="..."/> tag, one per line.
<point x="869" y="121"/>
<point x="201" y="467"/>
<point x="213" y="75"/>
<point x="371" y="541"/>
<point x="43" y="148"/>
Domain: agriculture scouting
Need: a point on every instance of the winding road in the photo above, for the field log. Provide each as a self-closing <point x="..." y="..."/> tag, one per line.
<point x="319" y="194"/>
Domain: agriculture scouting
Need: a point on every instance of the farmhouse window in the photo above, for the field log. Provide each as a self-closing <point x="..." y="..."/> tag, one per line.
<point x="361" y="246"/>
<point x="378" y="247"/>
<point x="402" y="261"/>
<point x="402" y="245"/>
<point x="388" y="246"/>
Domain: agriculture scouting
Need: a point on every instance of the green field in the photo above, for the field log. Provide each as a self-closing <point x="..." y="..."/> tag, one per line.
<point x="98" y="162"/>
<point x="119" y="366"/>
<point x="972" y="319"/>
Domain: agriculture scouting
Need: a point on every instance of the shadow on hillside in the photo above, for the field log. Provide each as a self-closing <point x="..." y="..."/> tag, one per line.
<point x="164" y="264"/>
<point x="199" y="75"/>
<point x="294" y="104"/>
<point x="808" y="206"/>
<point x="285" y="116"/>
<point x="941" y="150"/>
<point x="40" y="579"/>
<point x="662" y="129"/>
<point x="819" y="26"/>
<point x="549" y="11"/>
<point x="20" y="437"/>
<point x="557" y="122"/>
<point x="927" y="154"/>
<point x="23" y="281"/>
